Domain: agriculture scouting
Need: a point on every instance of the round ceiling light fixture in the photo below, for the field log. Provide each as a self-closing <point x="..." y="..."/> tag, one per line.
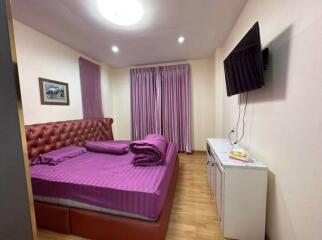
<point x="121" y="12"/>
<point x="115" y="49"/>
<point x="181" y="39"/>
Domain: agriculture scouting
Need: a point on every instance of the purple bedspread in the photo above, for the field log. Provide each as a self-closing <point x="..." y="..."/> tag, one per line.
<point x="150" y="151"/>
<point x="108" y="181"/>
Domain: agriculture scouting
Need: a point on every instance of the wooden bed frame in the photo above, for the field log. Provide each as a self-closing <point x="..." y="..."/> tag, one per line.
<point x="43" y="138"/>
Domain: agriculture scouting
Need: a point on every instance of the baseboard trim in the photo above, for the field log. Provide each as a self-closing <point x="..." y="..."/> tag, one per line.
<point x="195" y="152"/>
<point x="199" y="151"/>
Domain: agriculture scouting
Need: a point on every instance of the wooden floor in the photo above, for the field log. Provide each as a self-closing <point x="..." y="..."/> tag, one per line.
<point x="194" y="215"/>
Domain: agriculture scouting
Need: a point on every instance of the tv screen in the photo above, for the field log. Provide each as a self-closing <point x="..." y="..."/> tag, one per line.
<point x="244" y="65"/>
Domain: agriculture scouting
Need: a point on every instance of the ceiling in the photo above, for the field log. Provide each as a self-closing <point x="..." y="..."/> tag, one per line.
<point x="78" y="24"/>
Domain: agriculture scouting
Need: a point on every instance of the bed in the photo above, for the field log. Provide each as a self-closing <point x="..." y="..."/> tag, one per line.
<point x="111" y="199"/>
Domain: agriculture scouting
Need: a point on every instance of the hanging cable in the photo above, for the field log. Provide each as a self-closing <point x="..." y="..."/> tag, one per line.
<point x="237" y="124"/>
<point x="229" y="134"/>
<point x="243" y="129"/>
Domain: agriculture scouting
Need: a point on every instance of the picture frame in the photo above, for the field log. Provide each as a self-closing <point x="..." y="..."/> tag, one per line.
<point x="53" y="92"/>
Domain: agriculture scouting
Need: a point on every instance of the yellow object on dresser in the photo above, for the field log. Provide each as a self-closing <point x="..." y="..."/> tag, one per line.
<point x="239" y="154"/>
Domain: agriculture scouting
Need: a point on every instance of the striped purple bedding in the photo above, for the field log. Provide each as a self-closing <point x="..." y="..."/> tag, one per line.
<point x="108" y="181"/>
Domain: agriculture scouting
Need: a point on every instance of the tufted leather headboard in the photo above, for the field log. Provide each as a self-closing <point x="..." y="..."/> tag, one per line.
<point x="45" y="137"/>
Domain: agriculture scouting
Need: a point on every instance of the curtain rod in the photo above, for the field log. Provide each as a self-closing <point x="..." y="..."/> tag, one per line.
<point x="159" y="65"/>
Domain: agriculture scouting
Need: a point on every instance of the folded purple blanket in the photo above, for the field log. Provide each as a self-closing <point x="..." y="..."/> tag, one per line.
<point x="110" y="147"/>
<point x="150" y="151"/>
<point x="56" y="156"/>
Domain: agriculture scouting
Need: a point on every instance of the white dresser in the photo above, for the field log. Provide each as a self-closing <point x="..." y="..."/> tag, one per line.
<point x="239" y="191"/>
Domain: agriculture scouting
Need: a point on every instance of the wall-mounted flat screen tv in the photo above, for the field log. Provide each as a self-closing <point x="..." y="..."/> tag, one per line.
<point x="244" y="65"/>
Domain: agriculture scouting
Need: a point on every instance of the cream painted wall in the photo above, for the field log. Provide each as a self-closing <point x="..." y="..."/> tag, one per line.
<point x="203" y="98"/>
<point x="219" y="93"/>
<point x="107" y="97"/>
<point x="284" y="120"/>
<point x="41" y="56"/>
<point x="121" y="102"/>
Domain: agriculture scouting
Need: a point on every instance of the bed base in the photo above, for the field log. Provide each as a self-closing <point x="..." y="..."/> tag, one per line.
<point x="102" y="226"/>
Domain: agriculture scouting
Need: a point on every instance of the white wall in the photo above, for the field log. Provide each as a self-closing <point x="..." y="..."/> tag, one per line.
<point x="203" y="100"/>
<point x="107" y="97"/>
<point x="219" y="93"/>
<point x="121" y="102"/>
<point x="284" y="120"/>
<point x="41" y="56"/>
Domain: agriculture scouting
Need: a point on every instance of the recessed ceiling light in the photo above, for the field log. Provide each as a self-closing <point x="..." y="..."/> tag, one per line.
<point x="115" y="49"/>
<point x="181" y="39"/>
<point x="121" y="12"/>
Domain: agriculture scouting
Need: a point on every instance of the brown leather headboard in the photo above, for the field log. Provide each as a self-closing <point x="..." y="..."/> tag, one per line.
<point x="45" y="137"/>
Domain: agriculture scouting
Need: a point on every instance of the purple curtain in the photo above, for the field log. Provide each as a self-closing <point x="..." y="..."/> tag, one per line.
<point x="90" y="76"/>
<point x="176" y="105"/>
<point x="161" y="103"/>
<point x="144" y="107"/>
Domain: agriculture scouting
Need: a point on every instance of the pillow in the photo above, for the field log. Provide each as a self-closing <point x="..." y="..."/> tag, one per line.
<point x="111" y="147"/>
<point x="60" y="155"/>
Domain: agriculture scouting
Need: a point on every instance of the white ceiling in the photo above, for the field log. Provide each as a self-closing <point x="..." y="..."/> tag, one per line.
<point x="78" y="24"/>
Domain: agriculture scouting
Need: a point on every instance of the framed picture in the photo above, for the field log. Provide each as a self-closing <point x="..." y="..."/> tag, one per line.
<point x="53" y="92"/>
